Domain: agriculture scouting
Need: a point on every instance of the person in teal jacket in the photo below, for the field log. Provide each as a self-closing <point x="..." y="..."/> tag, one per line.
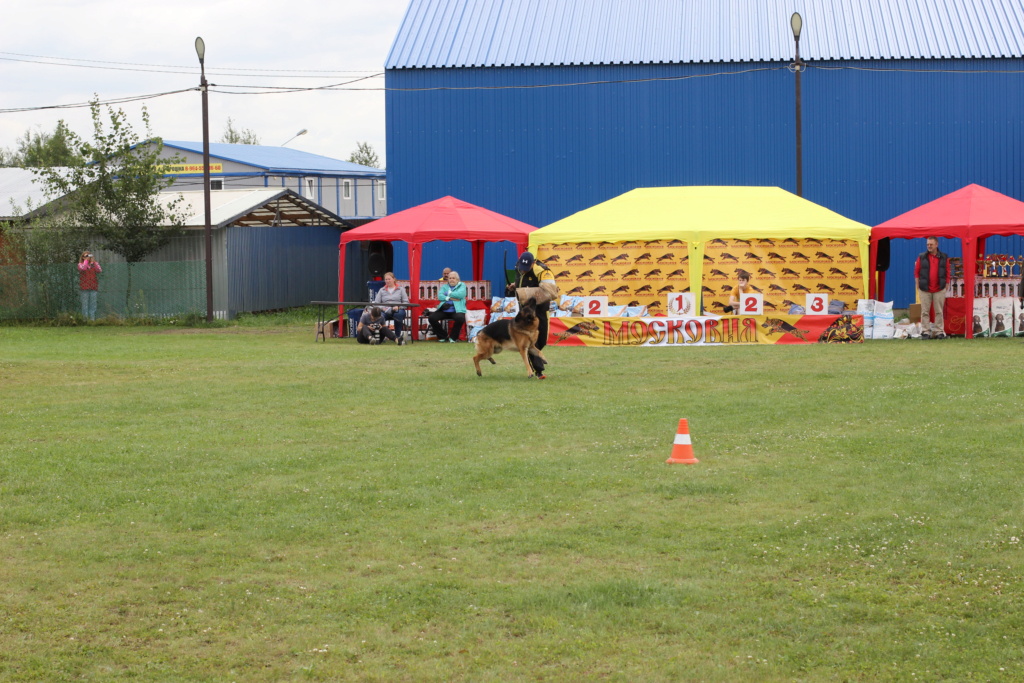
<point x="451" y="305"/>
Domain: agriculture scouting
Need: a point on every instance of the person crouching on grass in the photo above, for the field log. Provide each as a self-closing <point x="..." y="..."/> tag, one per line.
<point x="372" y="328"/>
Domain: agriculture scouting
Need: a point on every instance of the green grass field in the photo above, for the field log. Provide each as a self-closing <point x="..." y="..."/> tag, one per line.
<point x="245" y="504"/>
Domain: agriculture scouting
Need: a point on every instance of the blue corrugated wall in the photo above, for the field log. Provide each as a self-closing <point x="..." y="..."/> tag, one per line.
<point x="879" y="139"/>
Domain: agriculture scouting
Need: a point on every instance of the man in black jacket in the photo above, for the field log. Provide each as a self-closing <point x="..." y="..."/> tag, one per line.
<point x="931" y="270"/>
<point x="535" y="280"/>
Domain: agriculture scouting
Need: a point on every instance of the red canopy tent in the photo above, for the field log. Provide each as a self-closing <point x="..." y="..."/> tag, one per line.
<point x="970" y="214"/>
<point x="443" y="219"/>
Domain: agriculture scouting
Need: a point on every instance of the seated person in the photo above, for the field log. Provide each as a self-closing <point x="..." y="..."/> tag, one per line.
<point x="742" y="287"/>
<point x="372" y="328"/>
<point x="387" y="297"/>
<point x="451" y="306"/>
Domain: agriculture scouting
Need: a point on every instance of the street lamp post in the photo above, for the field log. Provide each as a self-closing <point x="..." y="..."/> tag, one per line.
<point x="301" y="132"/>
<point x="204" y="88"/>
<point x="797" y="24"/>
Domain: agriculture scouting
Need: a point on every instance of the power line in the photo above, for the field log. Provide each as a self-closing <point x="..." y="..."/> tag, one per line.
<point x="173" y="68"/>
<point x="344" y="86"/>
<point x="83" y="105"/>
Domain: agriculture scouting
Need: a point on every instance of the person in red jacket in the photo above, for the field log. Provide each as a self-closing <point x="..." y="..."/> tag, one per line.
<point x="88" y="284"/>
<point x="931" y="270"/>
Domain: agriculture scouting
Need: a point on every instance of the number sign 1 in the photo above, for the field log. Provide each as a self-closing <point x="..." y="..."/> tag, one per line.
<point x="680" y="303"/>
<point x="751" y="303"/>
<point x="817" y="304"/>
<point x="595" y="307"/>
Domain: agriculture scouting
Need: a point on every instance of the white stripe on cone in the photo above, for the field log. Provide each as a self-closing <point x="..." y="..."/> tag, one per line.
<point x="682" y="440"/>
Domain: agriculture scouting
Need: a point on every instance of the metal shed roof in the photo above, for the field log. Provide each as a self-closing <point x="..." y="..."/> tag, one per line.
<point x="487" y="33"/>
<point x="18" y="190"/>
<point x="261" y="206"/>
<point x="282" y="160"/>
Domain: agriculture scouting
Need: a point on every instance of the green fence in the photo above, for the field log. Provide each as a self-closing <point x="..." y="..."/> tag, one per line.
<point x="159" y="289"/>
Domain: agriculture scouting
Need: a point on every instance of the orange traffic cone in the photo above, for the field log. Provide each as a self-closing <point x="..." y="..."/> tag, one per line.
<point x="682" y="451"/>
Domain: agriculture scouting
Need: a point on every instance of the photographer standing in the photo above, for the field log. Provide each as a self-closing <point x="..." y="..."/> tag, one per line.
<point x="372" y="328"/>
<point x="88" y="284"/>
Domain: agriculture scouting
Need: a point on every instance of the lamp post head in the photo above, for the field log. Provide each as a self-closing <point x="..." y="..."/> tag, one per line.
<point x="301" y="132"/>
<point x="797" y="24"/>
<point x="200" y="49"/>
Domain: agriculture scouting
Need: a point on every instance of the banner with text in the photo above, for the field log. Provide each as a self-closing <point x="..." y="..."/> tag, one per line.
<point x="706" y="330"/>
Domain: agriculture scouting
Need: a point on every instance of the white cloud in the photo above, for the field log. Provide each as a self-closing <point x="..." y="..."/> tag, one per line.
<point x="350" y="38"/>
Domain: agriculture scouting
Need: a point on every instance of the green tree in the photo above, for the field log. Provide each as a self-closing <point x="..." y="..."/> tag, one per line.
<point x="239" y="137"/>
<point x="38" y="149"/>
<point x="116" y="195"/>
<point x="365" y="155"/>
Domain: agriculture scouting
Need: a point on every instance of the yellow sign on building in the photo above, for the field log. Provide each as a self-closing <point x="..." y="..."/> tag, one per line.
<point x="183" y="169"/>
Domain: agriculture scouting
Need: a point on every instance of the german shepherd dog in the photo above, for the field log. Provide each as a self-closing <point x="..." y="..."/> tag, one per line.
<point x="519" y="333"/>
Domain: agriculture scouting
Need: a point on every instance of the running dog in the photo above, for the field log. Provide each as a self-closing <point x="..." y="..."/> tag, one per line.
<point x="519" y="333"/>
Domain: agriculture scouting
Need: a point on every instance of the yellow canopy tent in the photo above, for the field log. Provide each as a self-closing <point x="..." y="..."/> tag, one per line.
<point x="702" y="214"/>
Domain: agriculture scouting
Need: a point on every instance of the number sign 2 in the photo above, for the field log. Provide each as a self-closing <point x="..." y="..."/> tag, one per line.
<point x="595" y="306"/>
<point x="751" y="304"/>
<point x="817" y="304"/>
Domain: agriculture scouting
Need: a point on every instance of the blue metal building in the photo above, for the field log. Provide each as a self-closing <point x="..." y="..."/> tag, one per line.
<point x="541" y="108"/>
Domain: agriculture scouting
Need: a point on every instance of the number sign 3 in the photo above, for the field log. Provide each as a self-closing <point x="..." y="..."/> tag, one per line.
<point x="817" y="304"/>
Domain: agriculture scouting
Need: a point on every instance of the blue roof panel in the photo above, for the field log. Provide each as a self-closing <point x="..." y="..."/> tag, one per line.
<point x="277" y="159"/>
<point x="483" y="33"/>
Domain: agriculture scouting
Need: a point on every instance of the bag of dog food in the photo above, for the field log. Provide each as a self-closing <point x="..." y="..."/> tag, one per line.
<point x="565" y="305"/>
<point x="635" y="312"/>
<point x="476" y="316"/>
<point x="1002" y="316"/>
<point x="616" y="311"/>
<point x="866" y="308"/>
<point x="1018" y="318"/>
<point x="503" y="307"/>
<point x="836" y="307"/>
<point x="980" y="321"/>
<point x="884" y="328"/>
<point x="884" y="325"/>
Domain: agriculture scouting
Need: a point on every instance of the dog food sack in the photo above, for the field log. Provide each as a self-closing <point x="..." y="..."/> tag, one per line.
<point x="564" y="306"/>
<point x="503" y="307"/>
<point x="1018" y="318"/>
<point x="884" y="328"/>
<point x="866" y="308"/>
<point x="476" y="317"/>
<point x="980" y="322"/>
<point x="497" y="307"/>
<point x="616" y="311"/>
<point x="1002" y="316"/>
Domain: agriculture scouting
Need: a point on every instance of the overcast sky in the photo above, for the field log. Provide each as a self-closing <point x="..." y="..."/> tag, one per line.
<point x="58" y="52"/>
